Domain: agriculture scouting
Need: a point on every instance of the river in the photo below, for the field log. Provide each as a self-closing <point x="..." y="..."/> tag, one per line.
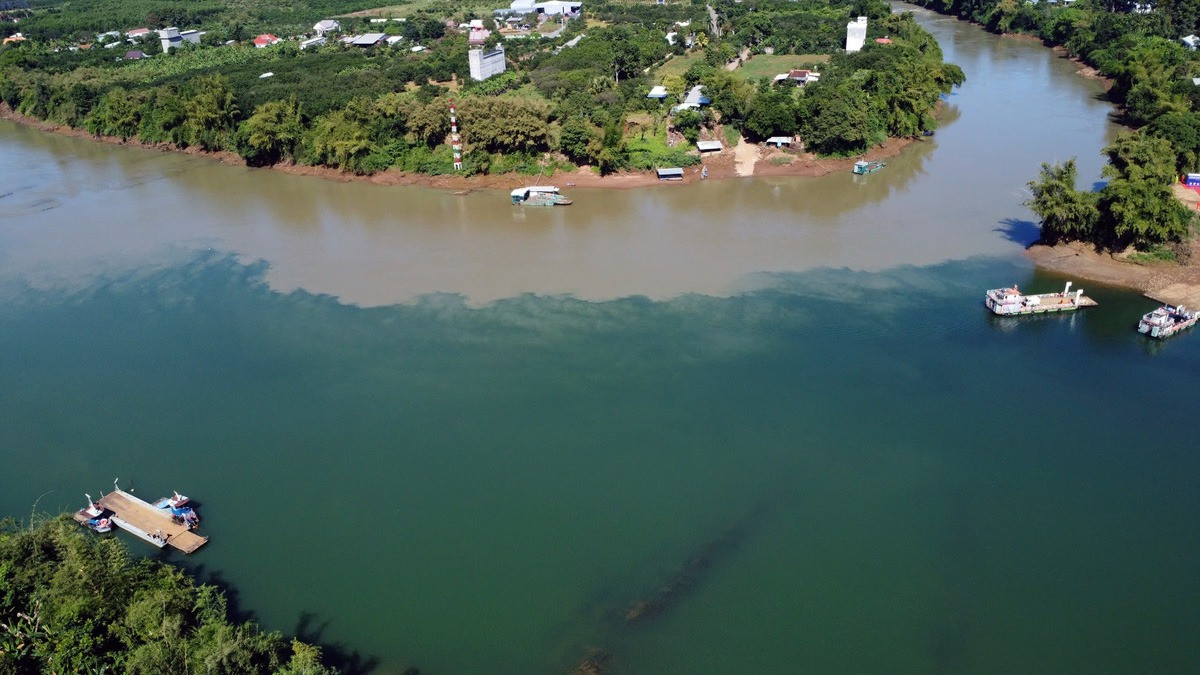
<point x="444" y="433"/>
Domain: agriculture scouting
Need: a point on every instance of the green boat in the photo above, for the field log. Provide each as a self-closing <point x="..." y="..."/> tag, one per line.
<point x="861" y="167"/>
<point x="539" y="195"/>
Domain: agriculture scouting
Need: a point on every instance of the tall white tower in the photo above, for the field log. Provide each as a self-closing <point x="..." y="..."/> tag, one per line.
<point x="856" y="34"/>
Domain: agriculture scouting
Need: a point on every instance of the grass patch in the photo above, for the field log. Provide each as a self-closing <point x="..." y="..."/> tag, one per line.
<point x="770" y="65"/>
<point x="731" y="135"/>
<point x="1158" y="254"/>
<point x="648" y="150"/>
<point x="407" y="9"/>
<point x="780" y="160"/>
<point x="678" y="65"/>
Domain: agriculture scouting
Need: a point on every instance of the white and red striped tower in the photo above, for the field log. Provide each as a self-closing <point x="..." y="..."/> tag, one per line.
<point x="454" y="138"/>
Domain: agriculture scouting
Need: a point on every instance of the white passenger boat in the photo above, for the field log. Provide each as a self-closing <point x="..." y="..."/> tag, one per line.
<point x="1167" y="321"/>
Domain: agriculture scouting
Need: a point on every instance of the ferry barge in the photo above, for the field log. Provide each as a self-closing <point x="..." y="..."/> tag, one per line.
<point x="169" y="522"/>
<point x="1167" y="321"/>
<point x="863" y="167"/>
<point x="1010" y="301"/>
<point x="538" y="195"/>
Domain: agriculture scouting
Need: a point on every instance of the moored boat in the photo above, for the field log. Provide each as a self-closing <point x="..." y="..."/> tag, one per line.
<point x="862" y="167"/>
<point x="1010" y="301"/>
<point x="180" y="509"/>
<point x="538" y="195"/>
<point x="1167" y="321"/>
<point x="94" y="517"/>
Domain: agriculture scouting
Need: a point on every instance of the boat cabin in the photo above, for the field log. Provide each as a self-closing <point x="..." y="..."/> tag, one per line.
<point x="524" y="194"/>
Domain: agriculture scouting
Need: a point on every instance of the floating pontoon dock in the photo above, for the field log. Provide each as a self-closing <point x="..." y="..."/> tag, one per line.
<point x="143" y="521"/>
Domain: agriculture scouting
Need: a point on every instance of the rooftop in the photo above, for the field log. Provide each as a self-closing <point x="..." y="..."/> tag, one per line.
<point x="369" y="39"/>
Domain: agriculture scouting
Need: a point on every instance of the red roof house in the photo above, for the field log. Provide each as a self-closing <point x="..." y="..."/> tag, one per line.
<point x="265" y="40"/>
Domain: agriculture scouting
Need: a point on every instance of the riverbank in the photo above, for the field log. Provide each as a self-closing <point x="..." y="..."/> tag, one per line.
<point x="1172" y="283"/>
<point x="741" y="161"/>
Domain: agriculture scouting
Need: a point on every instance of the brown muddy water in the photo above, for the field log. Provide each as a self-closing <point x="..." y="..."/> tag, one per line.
<point x="73" y="207"/>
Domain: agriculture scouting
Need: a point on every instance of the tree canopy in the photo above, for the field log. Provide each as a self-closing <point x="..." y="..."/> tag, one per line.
<point x="71" y="602"/>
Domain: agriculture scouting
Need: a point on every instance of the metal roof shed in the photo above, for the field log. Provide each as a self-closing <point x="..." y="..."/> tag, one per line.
<point x="708" y="146"/>
<point x="674" y="173"/>
<point x="369" y="40"/>
<point x="779" y="141"/>
<point x="659" y="92"/>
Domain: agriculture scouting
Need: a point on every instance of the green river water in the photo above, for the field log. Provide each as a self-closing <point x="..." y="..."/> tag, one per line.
<point x="476" y="458"/>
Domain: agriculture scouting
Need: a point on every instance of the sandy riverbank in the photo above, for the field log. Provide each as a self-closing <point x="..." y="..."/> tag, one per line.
<point x="732" y="162"/>
<point x="1177" y="284"/>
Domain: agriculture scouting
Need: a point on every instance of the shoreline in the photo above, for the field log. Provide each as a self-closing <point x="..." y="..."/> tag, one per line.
<point x="742" y="161"/>
<point x="1166" y="282"/>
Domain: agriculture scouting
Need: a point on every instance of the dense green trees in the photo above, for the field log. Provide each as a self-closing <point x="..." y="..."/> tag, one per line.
<point x="1067" y="214"/>
<point x="1136" y="207"/>
<point x="368" y="110"/>
<point x="74" y="603"/>
<point x="273" y="132"/>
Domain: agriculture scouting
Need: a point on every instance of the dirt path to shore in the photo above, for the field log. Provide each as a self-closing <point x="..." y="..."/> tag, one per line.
<point x="745" y="157"/>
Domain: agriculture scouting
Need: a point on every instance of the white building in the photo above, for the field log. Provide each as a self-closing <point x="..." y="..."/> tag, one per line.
<point x="856" y="34"/>
<point x="486" y="64"/>
<point x="172" y="37"/>
<point x="558" y="7"/>
<point x="1190" y="41"/>
<point x="318" y="41"/>
<point x="326" y="27"/>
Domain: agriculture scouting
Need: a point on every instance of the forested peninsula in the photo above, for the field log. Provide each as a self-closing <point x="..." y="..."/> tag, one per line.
<point x="73" y="602"/>
<point x="612" y="85"/>
<point x="1148" y="52"/>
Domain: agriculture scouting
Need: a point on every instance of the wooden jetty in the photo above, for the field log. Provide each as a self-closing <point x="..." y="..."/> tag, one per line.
<point x="155" y="526"/>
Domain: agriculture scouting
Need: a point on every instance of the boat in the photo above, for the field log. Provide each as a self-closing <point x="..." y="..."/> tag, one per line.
<point x="94" y="517"/>
<point x="1010" y="301"/>
<point x="1167" y="321"/>
<point x="180" y="509"/>
<point x="538" y="195"/>
<point x="862" y="167"/>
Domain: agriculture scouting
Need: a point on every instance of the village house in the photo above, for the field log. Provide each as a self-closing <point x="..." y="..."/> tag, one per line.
<point x="318" y="41"/>
<point x="694" y="99"/>
<point x="478" y="36"/>
<point x="326" y="27"/>
<point x="798" y="76"/>
<point x="134" y="55"/>
<point x="265" y="40"/>
<point x="369" y="40"/>
<point x="136" y="34"/>
<point x="110" y="35"/>
<point x="393" y="40"/>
